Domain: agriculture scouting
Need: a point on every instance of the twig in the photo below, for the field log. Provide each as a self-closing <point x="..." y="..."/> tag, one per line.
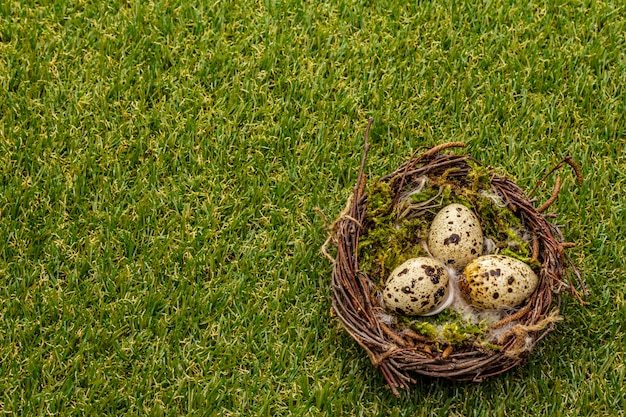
<point x="579" y="175"/>
<point x="567" y="160"/>
<point x="442" y="147"/>
<point x="360" y="186"/>
<point x="553" y="197"/>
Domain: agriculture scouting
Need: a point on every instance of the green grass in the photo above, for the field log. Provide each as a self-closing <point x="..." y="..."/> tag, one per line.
<point x="160" y="166"/>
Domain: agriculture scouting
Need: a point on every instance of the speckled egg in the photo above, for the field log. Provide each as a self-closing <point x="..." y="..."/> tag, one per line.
<point x="497" y="282"/>
<point x="419" y="286"/>
<point x="455" y="236"/>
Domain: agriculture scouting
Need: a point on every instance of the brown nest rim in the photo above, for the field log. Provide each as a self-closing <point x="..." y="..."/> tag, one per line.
<point x="400" y="353"/>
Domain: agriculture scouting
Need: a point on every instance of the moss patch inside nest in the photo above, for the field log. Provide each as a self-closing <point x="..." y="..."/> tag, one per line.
<point x="389" y="240"/>
<point x="450" y="328"/>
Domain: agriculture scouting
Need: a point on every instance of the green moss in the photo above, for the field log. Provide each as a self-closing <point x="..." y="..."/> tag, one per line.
<point x="524" y="257"/>
<point x="425" y="329"/>
<point x="458" y="333"/>
<point x="479" y="176"/>
<point x="490" y="215"/>
<point x="446" y="316"/>
<point x="445" y="189"/>
<point x="379" y="202"/>
<point x="425" y="195"/>
<point x="389" y="241"/>
<point x="449" y="327"/>
<point x="387" y="246"/>
<point x="499" y="224"/>
<point x="513" y="254"/>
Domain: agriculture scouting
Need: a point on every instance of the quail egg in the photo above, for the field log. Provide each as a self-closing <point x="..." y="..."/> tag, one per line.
<point x="455" y="236"/>
<point x="418" y="286"/>
<point x="497" y="282"/>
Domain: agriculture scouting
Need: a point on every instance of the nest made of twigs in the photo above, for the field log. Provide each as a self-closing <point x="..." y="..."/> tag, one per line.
<point x="400" y="352"/>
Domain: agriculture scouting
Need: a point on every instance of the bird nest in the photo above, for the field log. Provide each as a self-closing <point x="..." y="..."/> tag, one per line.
<point x="453" y="345"/>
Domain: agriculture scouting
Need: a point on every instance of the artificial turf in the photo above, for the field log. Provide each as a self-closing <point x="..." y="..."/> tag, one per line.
<point x="162" y="163"/>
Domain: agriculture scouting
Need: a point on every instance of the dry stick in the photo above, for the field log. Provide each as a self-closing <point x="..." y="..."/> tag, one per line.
<point x="359" y="187"/>
<point x="553" y="197"/>
<point x="403" y="376"/>
<point x="380" y="358"/>
<point x="450" y="372"/>
<point x="367" y="289"/>
<point x="343" y="291"/>
<point x="577" y="273"/>
<point x="567" y="160"/>
<point x="447" y="352"/>
<point x="391" y="379"/>
<point x="392" y="335"/>
<point x="343" y="313"/>
<point x="512" y="317"/>
<point x="443" y="162"/>
<point x="431" y="169"/>
<point x="441" y="147"/>
<point x="535" y="246"/>
<point x="415" y="336"/>
<point x="359" y="190"/>
<point x="579" y="175"/>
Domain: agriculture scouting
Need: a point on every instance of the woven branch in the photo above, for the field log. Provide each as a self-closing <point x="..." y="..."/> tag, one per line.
<point x="401" y="353"/>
